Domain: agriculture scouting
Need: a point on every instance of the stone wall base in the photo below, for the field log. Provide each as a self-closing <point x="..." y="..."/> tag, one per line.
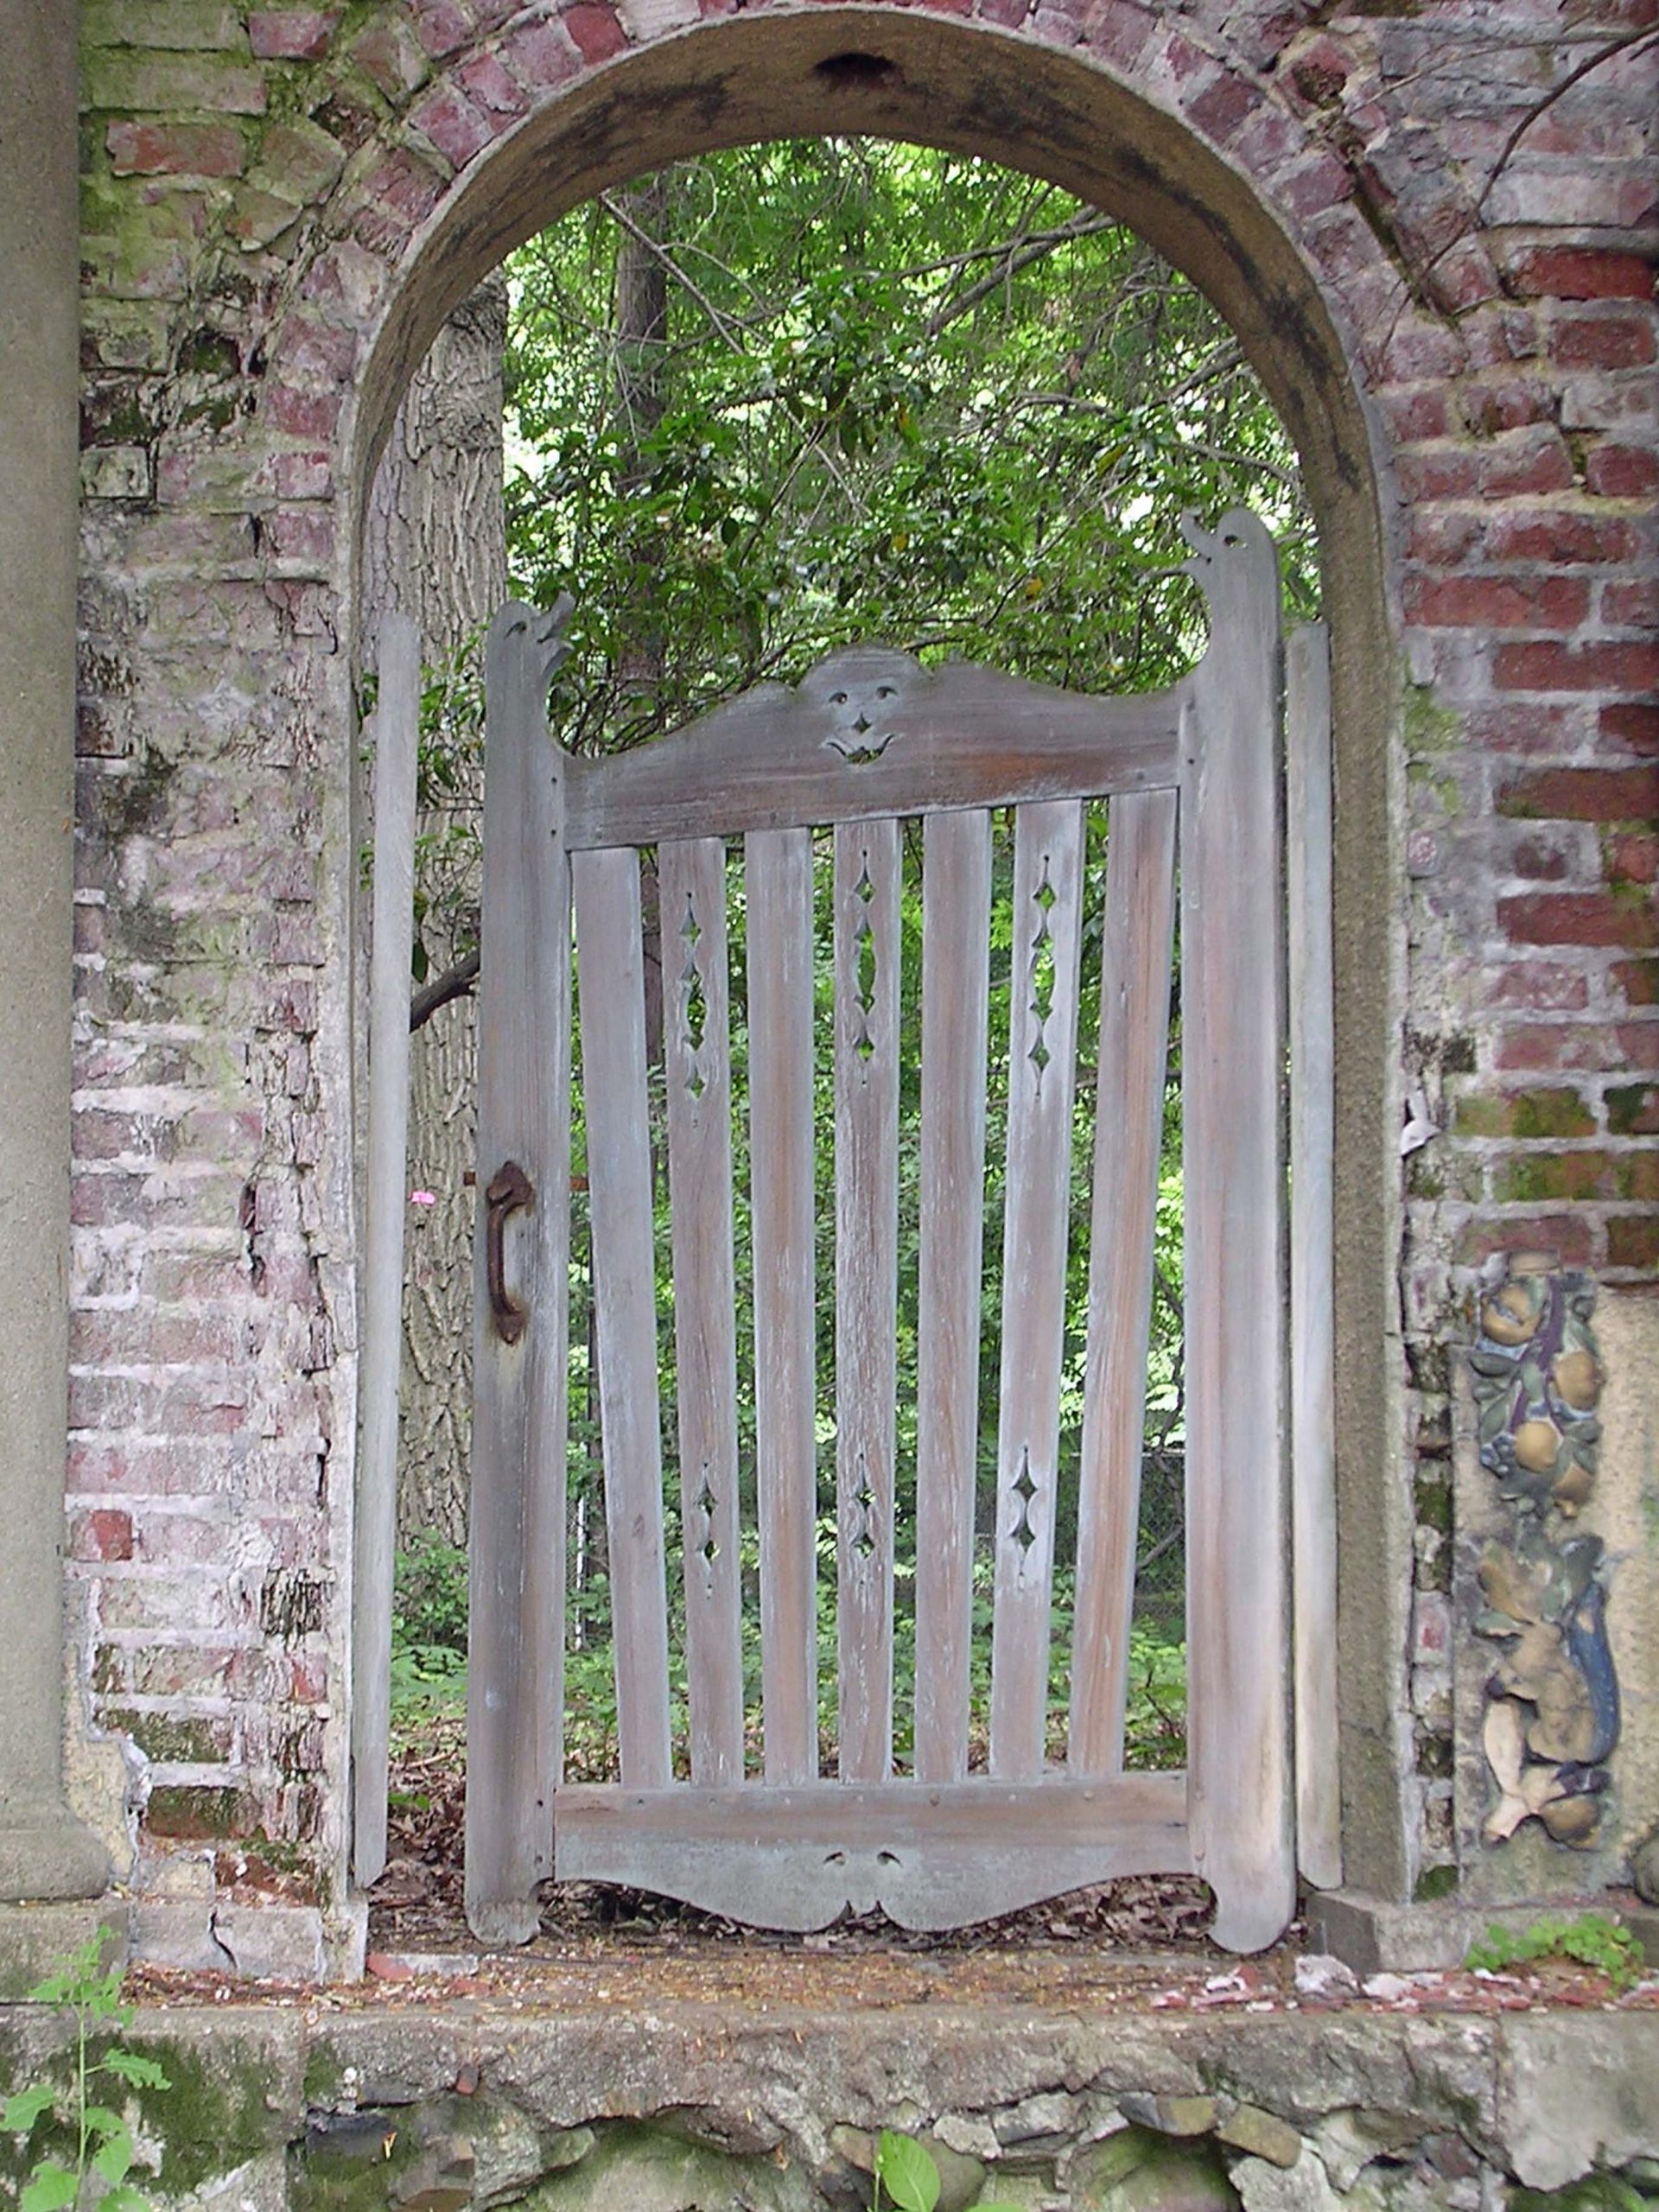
<point x="474" y="2101"/>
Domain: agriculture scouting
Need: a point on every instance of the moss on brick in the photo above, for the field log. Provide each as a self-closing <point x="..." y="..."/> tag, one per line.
<point x="1429" y="727"/>
<point x="1434" y="1503"/>
<point x="167" y="1737"/>
<point x="1550" y="1114"/>
<point x="1632" y="1109"/>
<point x="1536" y="1176"/>
<point x="197" y="1812"/>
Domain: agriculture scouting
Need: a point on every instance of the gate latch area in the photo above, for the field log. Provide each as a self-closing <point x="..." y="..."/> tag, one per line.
<point x="508" y="1190"/>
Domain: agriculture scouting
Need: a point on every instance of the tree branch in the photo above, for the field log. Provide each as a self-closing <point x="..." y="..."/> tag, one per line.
<point x="455" y="982"/>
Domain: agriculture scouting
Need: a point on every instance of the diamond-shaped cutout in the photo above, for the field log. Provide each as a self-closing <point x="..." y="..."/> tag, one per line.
<point x="1025" y="1490"/>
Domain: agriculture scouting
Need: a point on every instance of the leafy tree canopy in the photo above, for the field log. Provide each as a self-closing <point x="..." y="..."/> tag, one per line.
<point x="895" y="394"/>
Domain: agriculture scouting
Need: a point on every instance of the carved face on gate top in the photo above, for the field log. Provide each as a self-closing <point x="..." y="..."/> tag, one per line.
<point x="860" y="691"/>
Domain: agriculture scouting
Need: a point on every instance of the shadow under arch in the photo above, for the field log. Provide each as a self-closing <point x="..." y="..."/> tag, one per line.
<point x="1061" y="114"/>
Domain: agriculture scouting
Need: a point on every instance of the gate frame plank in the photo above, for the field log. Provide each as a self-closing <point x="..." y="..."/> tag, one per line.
<point x="1313" y="1267"/>
<point x="397" y="748"/>
<point x="1238" y="1654"/>
<point x="515" y="1677"/>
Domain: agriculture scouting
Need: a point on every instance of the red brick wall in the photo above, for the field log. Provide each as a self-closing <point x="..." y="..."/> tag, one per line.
<point x="1477" y="191"/>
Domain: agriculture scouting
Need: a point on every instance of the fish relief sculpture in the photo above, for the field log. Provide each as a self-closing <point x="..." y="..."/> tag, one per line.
<point x="1551" y="1717"/>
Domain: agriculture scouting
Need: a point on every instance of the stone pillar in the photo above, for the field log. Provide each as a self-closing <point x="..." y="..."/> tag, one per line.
<point x="44" y="1851"/>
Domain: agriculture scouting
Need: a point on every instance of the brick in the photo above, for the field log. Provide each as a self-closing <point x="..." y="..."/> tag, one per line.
<point x="1596" y="666"/>
<point x="540" y="55"/>
<point x="599" y="35"/>
<point x="291" y="34"/>
<point x="1584" y="795"/>
<point x="1558" y="1047"/>
<point x="1618" y="472"/>
<point x="181" y="26"/>
<point x="1633" y="857"/>
<point x="450" y="121"/>
<point x="1491" y="404"/>
<point x="1587" y="918"/>
<point x="171" y="84"/>
<point x="489" y="85"/>
<point x="199" y="1813"/>
<point x="1636" y="981"/>
<point x="1631" y="606"/>
<point x="175" y="149"/>
<point x="1636" y="1045"/>
<point x="1559" y="1110"/>
<point x="393" y="60"/>
<point x="1632" y="1109"/>
<point x="1631" y="724"/>
<point x="1633" y="1241"/>
<point x="1499" y="602"/>
<point x="1566" y="1236"/>
<point x="1535" y="1178"/>
<point x="441" y="27"/>
<point x="1582" y="273"/>
<point x="1537" y="987"/>
<point x="1605" y="341"/>
<point x="104" y="1534"/>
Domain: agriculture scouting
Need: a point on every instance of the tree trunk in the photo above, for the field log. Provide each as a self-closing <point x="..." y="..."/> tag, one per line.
<point x="641" y="337"/>
<point x="435" y="549"/>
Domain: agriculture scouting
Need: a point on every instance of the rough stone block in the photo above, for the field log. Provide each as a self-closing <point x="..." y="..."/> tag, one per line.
<point x="34" y="1939"/>
<point x="1248" y="2127"/>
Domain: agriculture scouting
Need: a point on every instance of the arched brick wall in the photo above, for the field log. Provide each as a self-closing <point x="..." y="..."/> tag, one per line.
<point x="1434" y="240"/>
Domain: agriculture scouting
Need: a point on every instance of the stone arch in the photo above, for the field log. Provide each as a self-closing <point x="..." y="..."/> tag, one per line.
<point x="1186" y="142"/>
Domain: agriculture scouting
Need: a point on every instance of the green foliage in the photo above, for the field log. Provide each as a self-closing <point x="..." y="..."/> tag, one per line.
<point x="428" y="1626"/>
<point x="80" y="2136"/>
<point x="1591" y="1939"/>
<point x="901" y="395"/>
<point x="906" y="2176"/>
<point x="1595" y="2193"/>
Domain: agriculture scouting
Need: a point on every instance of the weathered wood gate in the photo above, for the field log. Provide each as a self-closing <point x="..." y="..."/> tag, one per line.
<point x="867" y="741"/>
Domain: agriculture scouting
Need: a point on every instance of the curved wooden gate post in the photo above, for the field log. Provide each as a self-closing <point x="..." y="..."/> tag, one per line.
<point x="515" y="1679"/>
<point x="1232" y="1056"/>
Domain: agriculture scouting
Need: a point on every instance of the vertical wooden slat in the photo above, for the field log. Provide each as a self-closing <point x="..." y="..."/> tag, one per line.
<point x="516" y="1604"/>
<point x="610" y="989"/>
<point x="396" y="737"/>
<point x="779" y="877"/>
<point x="1313" y="1455"/>
<point x="1042" y="1052"/>
<point x="1129" y="1126"/>
<point x="1232" y="1057"/>
<point x="867" y="955"/>
<point x="956" y="972"/>
<point x="697" y="1056"/>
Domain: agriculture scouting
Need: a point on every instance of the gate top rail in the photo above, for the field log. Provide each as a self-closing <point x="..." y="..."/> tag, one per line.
<point x="870" y="733"/>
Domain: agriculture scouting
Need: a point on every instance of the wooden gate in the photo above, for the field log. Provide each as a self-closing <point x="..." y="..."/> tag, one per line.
<point x="868" y="742"/>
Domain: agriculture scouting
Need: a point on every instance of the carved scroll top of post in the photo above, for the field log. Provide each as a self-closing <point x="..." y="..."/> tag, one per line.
<point x="526" y="644"/>
<point x="1235" y="567"/>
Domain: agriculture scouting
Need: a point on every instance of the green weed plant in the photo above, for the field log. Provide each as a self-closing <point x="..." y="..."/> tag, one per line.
<point x="1589" y="1939"/>
<point x="100" y="2142"/>
<point x="906" y="2177"/>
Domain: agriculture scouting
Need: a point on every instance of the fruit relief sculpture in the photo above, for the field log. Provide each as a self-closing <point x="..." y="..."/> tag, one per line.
<point x="1552" y="1697"/>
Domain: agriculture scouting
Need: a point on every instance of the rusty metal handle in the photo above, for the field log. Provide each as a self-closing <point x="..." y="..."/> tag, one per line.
<point x="509" y="1189"/>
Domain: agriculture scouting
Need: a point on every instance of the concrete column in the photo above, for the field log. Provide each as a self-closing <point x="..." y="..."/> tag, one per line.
<point x="44" y="1851"/>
